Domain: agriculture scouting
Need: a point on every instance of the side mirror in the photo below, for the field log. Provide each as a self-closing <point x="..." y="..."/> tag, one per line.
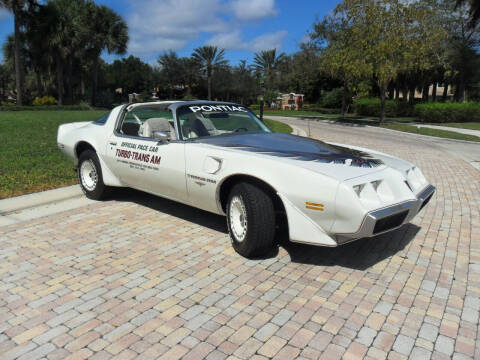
<point x="161" y="136"/>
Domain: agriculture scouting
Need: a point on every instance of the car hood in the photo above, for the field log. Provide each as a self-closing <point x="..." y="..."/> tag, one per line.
<point x="294" y="147"/>
<point x="339" y="161"/>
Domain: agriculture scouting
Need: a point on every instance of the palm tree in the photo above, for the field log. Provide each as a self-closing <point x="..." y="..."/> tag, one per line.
<point x="209" y="58"/>
<point x="38" y="57"/>
<point x="474" y="10"/>
<point x="106" y="30"/>
<point x="16" y="7"/>
<point x="62" y="28"/>
<point x="266" y="63"/>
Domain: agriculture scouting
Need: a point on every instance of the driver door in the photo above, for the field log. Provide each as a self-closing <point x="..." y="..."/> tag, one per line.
<point x="144" y="162"/>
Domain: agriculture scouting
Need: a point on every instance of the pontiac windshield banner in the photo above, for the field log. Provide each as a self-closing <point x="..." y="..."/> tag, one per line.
<point x="142" y="160"/>
<point x="223" y="108"/>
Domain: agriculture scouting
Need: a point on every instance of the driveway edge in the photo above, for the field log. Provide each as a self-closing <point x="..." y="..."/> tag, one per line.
<point x="23" y="202"/>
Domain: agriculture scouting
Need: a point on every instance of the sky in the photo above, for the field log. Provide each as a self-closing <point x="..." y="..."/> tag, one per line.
<point x="242" y="27"/>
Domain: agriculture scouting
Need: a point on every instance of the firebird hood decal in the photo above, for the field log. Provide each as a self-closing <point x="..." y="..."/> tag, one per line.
<point x="293" y="147"/>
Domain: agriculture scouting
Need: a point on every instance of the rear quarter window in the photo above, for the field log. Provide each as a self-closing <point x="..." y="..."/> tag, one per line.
<point x="102" y="120"/>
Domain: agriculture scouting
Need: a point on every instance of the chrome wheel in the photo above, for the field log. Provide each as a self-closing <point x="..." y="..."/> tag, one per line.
<point x="238" y="218"/>
<point x="88" y="175"/>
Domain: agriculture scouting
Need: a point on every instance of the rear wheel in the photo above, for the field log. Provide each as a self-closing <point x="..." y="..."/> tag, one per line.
<point x="90" y="175"/>
<point x="250" y="220"/>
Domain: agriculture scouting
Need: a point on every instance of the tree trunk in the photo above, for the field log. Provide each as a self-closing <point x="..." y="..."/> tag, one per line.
<point x="425" y="89"/>
<point x="391" y="91"/>
<point x="70" y="80"/>
<point x="383" y="90"/>
<point x="38" y="76"/>
<point x="445" y="92"/>
<point x="209" y="83"/>
<point x="60" y="80"/>
<point x="434" y="92"/>
<point x="460" y="93"/>
<point x="82" y="87"/>
<point x="397" y="94"/>
<point x="344" y="99"/>
<point x="411" y="97"/>
<point x="19" y="71"/>
<point x="404" y="93"/>
<point x="94" y="81"/>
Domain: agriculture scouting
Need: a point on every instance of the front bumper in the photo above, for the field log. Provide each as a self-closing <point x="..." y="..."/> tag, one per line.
<point x="389" y="218"/>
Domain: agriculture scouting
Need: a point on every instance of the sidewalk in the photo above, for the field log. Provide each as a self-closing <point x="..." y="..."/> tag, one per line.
<point x="448" y="128"/>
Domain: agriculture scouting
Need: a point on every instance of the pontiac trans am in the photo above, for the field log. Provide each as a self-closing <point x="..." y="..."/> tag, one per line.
<point x="221" y="158"/>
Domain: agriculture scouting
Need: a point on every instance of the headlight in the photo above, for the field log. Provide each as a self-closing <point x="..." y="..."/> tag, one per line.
<point x="376" y="184"/>
<point x="374" y="192"/>
<point x="358" y="189"/>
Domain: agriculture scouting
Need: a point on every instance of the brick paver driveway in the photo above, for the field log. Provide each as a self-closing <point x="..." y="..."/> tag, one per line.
<point x="139" y="276"/>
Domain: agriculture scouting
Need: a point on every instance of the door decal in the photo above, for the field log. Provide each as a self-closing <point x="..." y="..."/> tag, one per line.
<point x="143" y="159"/>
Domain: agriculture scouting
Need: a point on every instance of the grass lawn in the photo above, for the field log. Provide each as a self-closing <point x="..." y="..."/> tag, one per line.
<point x="465" y="125"/>
<point x="290" y="113"/>
<point x="277" y="126"/>
<point x="431" y="132"/>
<point x="29" y="158"/>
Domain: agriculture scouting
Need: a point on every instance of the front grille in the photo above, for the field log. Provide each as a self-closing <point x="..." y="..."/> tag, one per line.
<point x="390" y="222"/>
<point x="425" y="202"/>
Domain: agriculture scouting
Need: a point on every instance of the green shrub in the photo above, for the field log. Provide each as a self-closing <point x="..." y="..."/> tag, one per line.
<point x="371" y="107"/>
<point x="44" y="100"/>
<point x="44" y="107"/>
<point x="319" y="109"/>
<point x="331" y="99"/>
<point x="448" y="112"/>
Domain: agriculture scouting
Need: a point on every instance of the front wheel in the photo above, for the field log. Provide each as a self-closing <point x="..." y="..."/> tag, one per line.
<point x="90" y="175"/>
<point x="250" y="220"/>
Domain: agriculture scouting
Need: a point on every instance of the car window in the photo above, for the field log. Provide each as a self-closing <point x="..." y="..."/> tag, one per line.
<point x="147" y="122"/>
<point x="206" y="120"/>
<point x="102" y="120"/>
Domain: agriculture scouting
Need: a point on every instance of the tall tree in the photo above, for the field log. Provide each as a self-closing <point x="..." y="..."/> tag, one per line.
<point x="39" y="58"/>
<point x="386" y="37"/>
<point x="266" y="63"/>
<point x="16" y="7"/>
<point x="106" y="30"/>
<point x="342" y="55"/>
<point x="62" y="23"/>
<point x="130" y="74"/>
<point x="209" y="58"/>
<point x="462" y="46"/>
<point x="244" y="83"/>
<point x="474" y="10"/>
<point x="171" y="70"/>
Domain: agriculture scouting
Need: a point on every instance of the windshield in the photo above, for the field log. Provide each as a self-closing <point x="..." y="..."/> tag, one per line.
<point x="203" y="120"/>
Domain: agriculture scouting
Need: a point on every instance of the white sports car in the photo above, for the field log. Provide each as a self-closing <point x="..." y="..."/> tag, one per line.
<point x="220" y="157"/>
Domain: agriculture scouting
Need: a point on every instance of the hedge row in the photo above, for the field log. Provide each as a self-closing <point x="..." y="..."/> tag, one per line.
<point x="44" y="107"/>
<point x="315" y="108"/>
<point x="448" y="112"/>
<point x="371" y="107"/>
<point x="437" y="112"/>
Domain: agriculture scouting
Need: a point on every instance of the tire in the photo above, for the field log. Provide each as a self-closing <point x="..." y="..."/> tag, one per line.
<point x="250" y="220"/>
<point x="90" y="176"/>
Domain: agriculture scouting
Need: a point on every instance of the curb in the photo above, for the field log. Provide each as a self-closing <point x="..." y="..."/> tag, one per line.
<point x="298" y="131"/>
<point x="23" y="202"/>
<point x="425" y="136"/>
<point x="449" y="128"/>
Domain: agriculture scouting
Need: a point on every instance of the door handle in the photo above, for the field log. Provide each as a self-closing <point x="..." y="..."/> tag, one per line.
<point x="113" y="143"/>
